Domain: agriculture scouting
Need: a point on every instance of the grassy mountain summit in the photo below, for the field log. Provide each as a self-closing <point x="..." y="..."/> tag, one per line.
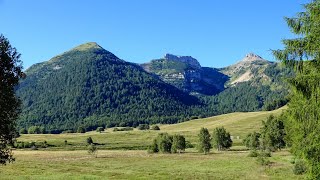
<point x="89" y="86"/>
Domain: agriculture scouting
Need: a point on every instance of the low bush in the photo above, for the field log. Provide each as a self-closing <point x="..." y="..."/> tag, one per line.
<point x="299" y="167"/>
<point x="253" y="153"/>
<point x="156" y="128"/>
<point x="123" y="129"/>
<point x="143" y="127"/>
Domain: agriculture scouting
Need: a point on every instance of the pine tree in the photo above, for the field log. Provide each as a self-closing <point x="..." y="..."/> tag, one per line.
<point x="10" y="73"/>
<point x="303" y="55"/>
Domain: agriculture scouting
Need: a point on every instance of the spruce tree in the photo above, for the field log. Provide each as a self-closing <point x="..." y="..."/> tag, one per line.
<point x="303" y="55"/>
<point x="10" y="73"/>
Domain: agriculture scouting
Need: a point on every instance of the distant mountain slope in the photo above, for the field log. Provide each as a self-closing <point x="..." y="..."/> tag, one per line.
<point x="251" y="84"/>
<point x="89" y="86"/>
<point x="249" y="68"/>
<point x="186" y="73"/>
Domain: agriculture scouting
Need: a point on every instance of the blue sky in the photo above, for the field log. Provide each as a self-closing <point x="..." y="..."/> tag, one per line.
<point x="217" y="33"/>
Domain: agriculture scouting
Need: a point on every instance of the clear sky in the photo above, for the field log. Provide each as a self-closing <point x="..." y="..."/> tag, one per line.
<point x="216" y="32"/>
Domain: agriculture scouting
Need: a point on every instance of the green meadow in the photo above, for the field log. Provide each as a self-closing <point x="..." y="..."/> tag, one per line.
<point x="123" y="155"/>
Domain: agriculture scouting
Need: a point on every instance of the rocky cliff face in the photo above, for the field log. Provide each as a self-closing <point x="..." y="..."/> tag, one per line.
<point x="184" y="59"/>
<point x="186" y="73"/>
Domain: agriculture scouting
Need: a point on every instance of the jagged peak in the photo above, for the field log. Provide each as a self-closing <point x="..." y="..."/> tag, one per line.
<point x="86" y="46"/>
<point x="185" y="59"/>
<point x="252" y="57"/>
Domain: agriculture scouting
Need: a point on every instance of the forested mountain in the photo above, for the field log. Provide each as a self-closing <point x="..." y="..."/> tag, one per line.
<point x="89" y="86"/>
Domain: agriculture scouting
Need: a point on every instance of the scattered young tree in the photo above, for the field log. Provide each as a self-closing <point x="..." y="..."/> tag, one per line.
<point x="89" y="141"/>
<point x="164" y="142"/>
<point x="221" y="139"/>
<point x="204" y="143"/>
<point x="93" y="150"/>
<point x="252" y="141"/>
<point x="302" y="54"/>
<point x="273" y="133"/>
<point x="178" y="143"/>
<point x="10" y="73"/>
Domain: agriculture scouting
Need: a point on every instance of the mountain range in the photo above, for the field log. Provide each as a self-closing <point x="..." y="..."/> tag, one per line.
<point x="89" y="86"/>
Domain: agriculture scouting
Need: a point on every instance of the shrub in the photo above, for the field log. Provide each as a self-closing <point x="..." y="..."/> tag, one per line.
<point x="264" y="161"/>
<point x="93" y="150"/>
<point x="81" y="129"/>
<point x="123" y="129"/>
<point x="156" y="128"/>
<point x="23" y="131"/>
<point x="189" y="145"/>
<point x="299" y="167"/>
<point x="253" y="153"/>
<point x="143" y="127"/>
<point x="265" y="153"/>
<point x="100" y="129"/>
<point x="154" y="147"/>
<point x="89" y="141"/>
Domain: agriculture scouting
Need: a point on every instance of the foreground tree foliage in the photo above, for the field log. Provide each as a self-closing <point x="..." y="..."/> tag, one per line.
<point x="204" y="144"/>
<point x="303" y="55"/>
<point x="10" y="73"/>
<point x="221" y="139"/>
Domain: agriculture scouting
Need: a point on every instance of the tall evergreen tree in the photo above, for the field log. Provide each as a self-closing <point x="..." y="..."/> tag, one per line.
<point x="303" y="55"/>
<point x="10" y="73"/>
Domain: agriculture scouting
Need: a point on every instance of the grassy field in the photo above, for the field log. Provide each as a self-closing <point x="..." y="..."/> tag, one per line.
<point x="238" y="124"/>
<point x="135" y="164"/>
<point x="119" y="156"/>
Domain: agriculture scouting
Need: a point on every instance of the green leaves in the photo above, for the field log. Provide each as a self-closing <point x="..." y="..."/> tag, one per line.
<point x="10" y="73"/>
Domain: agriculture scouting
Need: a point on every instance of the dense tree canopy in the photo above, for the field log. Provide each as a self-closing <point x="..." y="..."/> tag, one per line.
<point x="303" y="55"/>
<point x="10" y="73"/>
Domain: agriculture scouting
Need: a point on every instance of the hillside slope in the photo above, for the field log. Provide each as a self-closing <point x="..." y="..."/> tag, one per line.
<point x="89" y="86"/>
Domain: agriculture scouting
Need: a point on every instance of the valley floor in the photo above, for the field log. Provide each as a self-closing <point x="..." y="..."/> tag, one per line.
<point x="135" y="164"/>
<point x="123" y="155"/>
